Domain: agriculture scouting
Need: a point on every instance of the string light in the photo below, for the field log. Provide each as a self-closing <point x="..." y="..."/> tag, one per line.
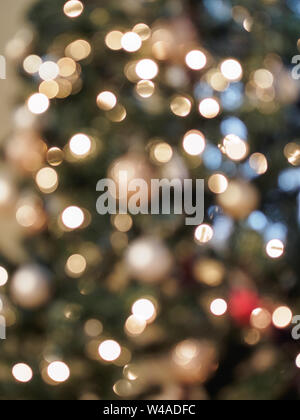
<point x="260" y="319"/>
<point x="181" y="106"/>
<point x="204" y="233"/>
<point x="73" y="217"/>
<point x="258" y="162"/>
<point x="38" y="103"/>
<point x="113" y="40"/>
<point x="32" y="64"/>
<point x="209" y="108"/>
<point x="232" y="70"/>
<point x="58" y="371"/>
<point x="275" y="248"/>
<point x="131" y="42"/>
<point x="297" y="361"/>
<point x="196" y="60"/>
<point x="106" y="100"/>
<point x="143" y="309"/>
<point x="3" y="276"/>
<point x="218" y="183"/>
<point x="48" y="71"/>
<point x="22" y="372"/>
<point x="146" y="69"/>
<point x="73" y="8"/>
<point x="235" y="148"/>
<point x="142" y="30"/>
<point x="194" y="142"/>
<point x="282" y="317"/>
<point x="218" y="307"/>
<point x="263" y="78"/>
<point x="145" y="88"/>
<point x="80" y="145"/>
<point x="109" y="350"/>
<point x="47" y="180"/>
<point x="163" y="152"/>
<point x="76" y="265"/>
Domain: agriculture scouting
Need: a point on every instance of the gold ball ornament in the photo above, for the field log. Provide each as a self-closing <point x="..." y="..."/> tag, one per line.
<point x="30" y="287"/>
<point x="239" y="200"/>
<point x="148" y="260"/>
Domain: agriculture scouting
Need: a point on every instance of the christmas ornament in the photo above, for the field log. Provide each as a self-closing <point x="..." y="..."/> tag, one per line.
<point x="31" y="286"/>
<point x="148" y="260"/>
<point x="242" y="303"/>
<point x="239" y="200"/>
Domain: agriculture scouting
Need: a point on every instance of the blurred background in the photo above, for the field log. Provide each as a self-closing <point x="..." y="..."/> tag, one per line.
<point x="143" y="306"/>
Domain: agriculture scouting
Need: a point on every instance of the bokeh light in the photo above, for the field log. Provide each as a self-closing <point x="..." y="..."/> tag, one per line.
<point x="58" y="371"/>
<point x="22" y="372"/>
<point x="282" y="317"/>
<point x="109" y="350"/>
<point x="38" y="103"/>
<point x="218" y="307"/>
<point x="196" y="60"/>
<point x="73" y="217"/>
<point x="194" y="142"/>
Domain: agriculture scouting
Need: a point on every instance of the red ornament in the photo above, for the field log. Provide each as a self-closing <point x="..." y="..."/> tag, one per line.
<point x="242" y="303"/>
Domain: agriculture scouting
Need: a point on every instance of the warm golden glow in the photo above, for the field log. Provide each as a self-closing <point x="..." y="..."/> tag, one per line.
<point x="55" y="156"/>
<point x="49" y="88"/>
<point x="48" y="70"/>
<point x="232" y="70"/>
<point x="218" y="307"/>
<point x="78" y="50"/>
<point x="292" y="153"/>
<point x="117" y="114"/>
<point x="218" y="183"/>
<point x="73" y="8"/>
<point x="58" y="372"/>
<point x="73" y="217"/>
<point x="66" y="66"/>
<point x="3" y="276"/>
<point x="93" y="328"/>
<point x="26" y="215"/>
<point x="113" y="40"/>
<point x="123" y="222"/>
<point x="80" y="145"/>
<point x="131" y="42"/>
<point x="196" y="60"/>
<point x="32" y="64"/>
<point x="146" y="69"/>
<point x="109" y="350"/>
<point x="142" y="30"/>
<point x="144" y="309"/>
<point x="181" y="106"/>
<point x="22" y="372"/>
<point x="106" y="100"/>
<point x="235" y="148"/>
<point x="209" y="108"/>
<point x="162" y="152"/>
<point x="204" y="233"/>
<point x="38" y="103"/>
<point x="47" y="180"/>
<point x="282" y="317"/>
<point x="135" y="326"/>
<point x="194" y="142"/>
<point x="258" y="162"/>
<point x="263" y="78"/>
<point x="145" y="88"/>
<point x="275" y="248"/>
<point x="76" y="265"/>
<point x="260" y="319"/>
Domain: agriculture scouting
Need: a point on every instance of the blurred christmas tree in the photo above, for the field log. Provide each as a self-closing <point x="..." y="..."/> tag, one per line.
<point x="143" y="306"/>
